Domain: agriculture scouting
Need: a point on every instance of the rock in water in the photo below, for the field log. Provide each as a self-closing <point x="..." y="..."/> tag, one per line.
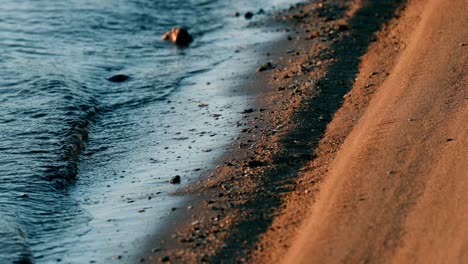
<point x="248" y="15"/>
<point x="178" y="36"/>
<point x="175" y="179"/>
<point x="118" y="78"/>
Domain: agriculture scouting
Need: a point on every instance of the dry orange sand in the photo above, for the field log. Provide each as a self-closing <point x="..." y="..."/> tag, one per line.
<point x="397" y="190"/>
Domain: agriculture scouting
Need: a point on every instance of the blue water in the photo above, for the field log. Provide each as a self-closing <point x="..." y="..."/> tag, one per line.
<point x="84" y="162"/>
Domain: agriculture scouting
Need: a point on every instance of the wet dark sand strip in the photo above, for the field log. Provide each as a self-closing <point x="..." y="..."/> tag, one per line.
<point x="238" y="201"/>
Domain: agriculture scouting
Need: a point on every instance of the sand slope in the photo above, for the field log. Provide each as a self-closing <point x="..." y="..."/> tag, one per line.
<point x="397" y="191"/>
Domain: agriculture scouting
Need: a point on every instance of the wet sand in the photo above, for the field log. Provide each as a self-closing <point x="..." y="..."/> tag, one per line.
<point x="355" y="150"/>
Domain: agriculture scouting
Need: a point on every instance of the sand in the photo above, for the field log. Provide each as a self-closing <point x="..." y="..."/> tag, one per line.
<point x="396" y="191"/>
<point x="355" y="152"/>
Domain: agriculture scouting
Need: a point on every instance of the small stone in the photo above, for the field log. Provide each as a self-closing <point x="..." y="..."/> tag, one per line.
<point x="248" y="111"/>
<point x="248" y="15"/>
<point x="265" y="67"/>
<point x="118" y="78"/>
<point x="235" y="14"/>
<point x="165" y="259"/>
<point x="254" y="163"/>
<point x="24" y="195"/>
<point x="390" y="172"/>
<point x="175" y="180"/>
<point x="341" y="27"/>
<point x="178" y="36"/>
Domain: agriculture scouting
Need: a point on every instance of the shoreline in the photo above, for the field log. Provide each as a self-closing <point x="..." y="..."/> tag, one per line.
<point x="232" y="211"/>
<point x="337" y="58"/>
<point x="227" y="215"/>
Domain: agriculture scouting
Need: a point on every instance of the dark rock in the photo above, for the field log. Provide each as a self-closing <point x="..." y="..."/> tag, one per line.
<point x="236" y="14"/>
<point x="118" y="78"/>
<point x="265" y="67"/>
<point x="255" y="163"/>
<point x="261" y="11"/>
<point x="341" y="27"/>
<point x="178" y="36"/>
<point x="248" y="15"/>
<point x="165" y="259"/>
<point x="248" y="111"/>
<point x="24" y="195"/>
<point x="175" y="179"/>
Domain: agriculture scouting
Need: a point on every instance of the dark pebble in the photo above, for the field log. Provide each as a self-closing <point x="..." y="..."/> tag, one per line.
<point x="255" y="163"/>
<point x="175" y="179"/>
<point x="265" y="67"/>
<point x="118" y="78"/>
<point x="341" y="27"/>
<point x="248" y="15"/>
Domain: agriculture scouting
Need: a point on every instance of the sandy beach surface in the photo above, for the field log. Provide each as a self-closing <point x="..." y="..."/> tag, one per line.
<point x="356" y="151"/>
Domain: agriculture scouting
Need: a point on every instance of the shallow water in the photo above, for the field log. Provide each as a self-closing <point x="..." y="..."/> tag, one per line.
<point x="84" y="162"/>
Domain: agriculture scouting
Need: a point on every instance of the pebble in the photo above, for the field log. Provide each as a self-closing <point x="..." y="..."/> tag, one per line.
<point x="118" y="78"/>
<point x="175" y="180"/>
<point x="265" y="67"/>
<point x="248" y="15"/>
<point x="341" y="27"/>
<point x="24" y="195"/>
<point x="178" y="36"/>
<point x="254" y="163"/>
